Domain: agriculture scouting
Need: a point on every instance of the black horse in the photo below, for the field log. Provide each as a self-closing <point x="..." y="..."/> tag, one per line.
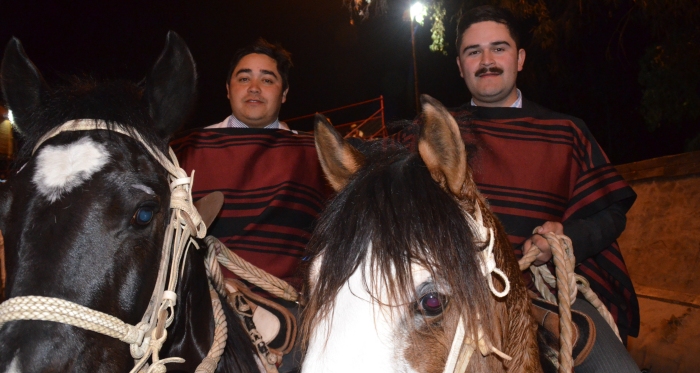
<point x="84" y="218"/>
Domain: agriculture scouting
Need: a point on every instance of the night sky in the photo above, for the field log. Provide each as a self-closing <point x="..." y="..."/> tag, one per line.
<point x="335" y="63"/>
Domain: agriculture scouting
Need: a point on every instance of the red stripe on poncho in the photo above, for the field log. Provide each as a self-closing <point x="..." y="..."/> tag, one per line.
<point x="535" y="165"/>
<point x="273" y="187"/>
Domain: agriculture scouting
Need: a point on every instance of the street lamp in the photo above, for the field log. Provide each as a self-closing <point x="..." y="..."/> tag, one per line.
<point x="417" y="13"/>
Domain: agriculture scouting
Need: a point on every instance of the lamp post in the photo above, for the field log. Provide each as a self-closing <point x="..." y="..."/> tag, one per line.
<point x="417" y="13"/>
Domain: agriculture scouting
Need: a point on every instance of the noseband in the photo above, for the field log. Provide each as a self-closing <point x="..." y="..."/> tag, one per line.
<point x="145" y="338"/>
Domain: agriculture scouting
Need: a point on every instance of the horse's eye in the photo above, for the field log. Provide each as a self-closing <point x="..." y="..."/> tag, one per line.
<point x="143" y="216"/>
<point x="432" y="304"/>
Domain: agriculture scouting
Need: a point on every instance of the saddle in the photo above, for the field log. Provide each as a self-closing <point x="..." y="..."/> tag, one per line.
<point x="547" y="316"/>
<point x="272" y="327"/>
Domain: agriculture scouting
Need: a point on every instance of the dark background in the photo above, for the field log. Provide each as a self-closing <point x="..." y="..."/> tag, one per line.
<point x="588" y="64"/>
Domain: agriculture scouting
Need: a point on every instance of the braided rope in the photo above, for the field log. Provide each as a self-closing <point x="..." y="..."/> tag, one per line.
<point x="208" y="365"/>
<point x="567" y="283"/>
<point x="562" y="255"/>
<point x="247" y="271"/>
<point x="564" y="268"/>
<point x="585" y="288"/>
<point x="59" y="310"/>
<point x="216" y="256"/>
<point x="580" y="283"/>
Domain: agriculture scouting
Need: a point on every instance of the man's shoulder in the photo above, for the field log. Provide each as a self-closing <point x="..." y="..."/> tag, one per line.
<point x="530" y="111"/>
<point x="538" y="111"/>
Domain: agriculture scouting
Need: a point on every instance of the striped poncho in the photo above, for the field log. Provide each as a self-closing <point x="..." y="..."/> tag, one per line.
<point x="534" y="165"/>
<point x="273" y="187"/>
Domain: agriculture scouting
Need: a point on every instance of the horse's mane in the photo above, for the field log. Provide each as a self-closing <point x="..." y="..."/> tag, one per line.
<point x="394" y="203"/>
<point x="120" y="103"/>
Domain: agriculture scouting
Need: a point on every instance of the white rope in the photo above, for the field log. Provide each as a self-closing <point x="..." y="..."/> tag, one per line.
<point x="488" y="268"/>
<point x="463" y="347"/>
<point x="542" y="275"/>
<point x="454" y="354"/>
<point x="208" y="365"/>
<point x="58" y="310"/>
<point x="244" y="270"/>
<point x="145" y="338"/>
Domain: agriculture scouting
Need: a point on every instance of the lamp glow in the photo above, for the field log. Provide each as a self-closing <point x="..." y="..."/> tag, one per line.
<point x="418" y="12"/>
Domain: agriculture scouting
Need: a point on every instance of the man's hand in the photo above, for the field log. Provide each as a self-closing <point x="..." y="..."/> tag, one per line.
<point x="540" y="243"/>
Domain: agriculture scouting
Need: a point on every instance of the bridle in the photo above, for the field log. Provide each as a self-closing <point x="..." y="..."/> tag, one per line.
<point x="145" y="338"/>
<point x="462" y="346"/>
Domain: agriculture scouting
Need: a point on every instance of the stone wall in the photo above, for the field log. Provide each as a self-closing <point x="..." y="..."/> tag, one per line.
<point x="661" y="246"/>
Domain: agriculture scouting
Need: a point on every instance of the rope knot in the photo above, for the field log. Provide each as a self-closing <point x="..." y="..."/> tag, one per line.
<point x="488" y="267"/>
<point x="134" y="336"/>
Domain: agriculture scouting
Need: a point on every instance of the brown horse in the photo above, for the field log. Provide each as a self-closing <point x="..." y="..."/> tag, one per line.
<point x="409" y="270"/>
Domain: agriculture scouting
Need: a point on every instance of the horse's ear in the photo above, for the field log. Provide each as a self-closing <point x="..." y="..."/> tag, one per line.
<point x="171" y="86"/>
<point x="338" y="159"/>
<point x="22" y="84"/>
<point x="441" y="146"/>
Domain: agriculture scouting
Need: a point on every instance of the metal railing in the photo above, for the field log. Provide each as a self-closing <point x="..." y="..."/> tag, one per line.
<point x="367" y="127"/>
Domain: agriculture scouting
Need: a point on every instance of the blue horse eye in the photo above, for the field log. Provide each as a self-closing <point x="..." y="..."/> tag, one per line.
<point x="143" y="216"/>
<point x="432" y="304"/>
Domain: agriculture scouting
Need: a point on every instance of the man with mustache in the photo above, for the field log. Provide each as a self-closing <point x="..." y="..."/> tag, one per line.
<point x="542" y="172"/>
<point x="270" y="176"/>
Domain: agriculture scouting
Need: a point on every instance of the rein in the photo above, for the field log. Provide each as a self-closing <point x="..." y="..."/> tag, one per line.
<point x="145" y="338"/>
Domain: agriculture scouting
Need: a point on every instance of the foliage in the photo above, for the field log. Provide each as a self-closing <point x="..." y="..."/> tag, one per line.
<point x="671" y="83"/>
<point x="668" y="75"/>
<point x="437" y="16"/>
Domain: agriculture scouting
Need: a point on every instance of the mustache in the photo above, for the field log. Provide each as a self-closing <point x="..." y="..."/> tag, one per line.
<point x="486" y="70"/>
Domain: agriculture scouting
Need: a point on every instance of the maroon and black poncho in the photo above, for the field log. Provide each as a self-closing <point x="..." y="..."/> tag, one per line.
<point x="273" y="187"/>
<point x="534" y="165"/>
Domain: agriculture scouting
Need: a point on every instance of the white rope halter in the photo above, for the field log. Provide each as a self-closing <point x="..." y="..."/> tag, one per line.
<point x="462" y="346"/>
<point x="146" y="337"/>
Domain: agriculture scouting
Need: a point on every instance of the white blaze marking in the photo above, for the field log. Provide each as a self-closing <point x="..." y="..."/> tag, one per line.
<point x="62" y="168"/>
<point x="144" y="188"/>
<point x="362" y="334"/>
<point x="14" y="366"/>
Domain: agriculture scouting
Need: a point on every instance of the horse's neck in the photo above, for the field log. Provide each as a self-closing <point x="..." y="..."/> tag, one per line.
<point x="192" y="332"/>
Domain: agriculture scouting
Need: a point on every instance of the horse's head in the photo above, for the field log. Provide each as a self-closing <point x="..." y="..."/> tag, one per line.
<point x="84" y="217"/>
<point x="399" y="257"/>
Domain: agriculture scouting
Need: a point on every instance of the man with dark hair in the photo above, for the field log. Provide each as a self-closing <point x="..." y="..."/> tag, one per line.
<point x="542" y="172"/>
<point x="256" y="86"/>
<point x="271" y="179"/>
